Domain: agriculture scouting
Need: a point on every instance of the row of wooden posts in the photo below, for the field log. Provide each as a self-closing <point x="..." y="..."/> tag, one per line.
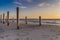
<point x="17" y="16"/>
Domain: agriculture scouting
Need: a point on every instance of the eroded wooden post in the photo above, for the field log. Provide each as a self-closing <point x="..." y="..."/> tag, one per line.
<point x="17" y="10"/>
<point x="39" y="20"/>
<point x="13" y="19"/>
<point x="7" y="18"/>
<point x="3" y="18"/>
<point x="25" y="19"/>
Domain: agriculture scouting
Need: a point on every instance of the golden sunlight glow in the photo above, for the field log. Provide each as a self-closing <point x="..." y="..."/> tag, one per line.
<point x="49" y="12"/>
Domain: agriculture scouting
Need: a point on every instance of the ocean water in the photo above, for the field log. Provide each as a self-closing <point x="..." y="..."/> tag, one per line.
<point x="43" y="21"/>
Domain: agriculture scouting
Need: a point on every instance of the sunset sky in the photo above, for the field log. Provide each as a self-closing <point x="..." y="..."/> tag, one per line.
<point x="31" y="8"/>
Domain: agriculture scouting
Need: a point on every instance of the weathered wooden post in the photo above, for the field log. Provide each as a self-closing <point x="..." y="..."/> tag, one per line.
<point x="17" y="10"/>
<point x="7" y="18"/>
<point x="3" y="18"/>
<point x="39" y="20"/>
<point x="25" y="19"/>
<point x="13" y="19"/>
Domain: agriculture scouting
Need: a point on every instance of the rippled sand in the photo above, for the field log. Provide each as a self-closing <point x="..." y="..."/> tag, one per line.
<point x="29" y="32"/>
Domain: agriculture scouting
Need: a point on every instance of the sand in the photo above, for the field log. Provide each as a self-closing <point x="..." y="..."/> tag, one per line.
<point x="29" y="32"/>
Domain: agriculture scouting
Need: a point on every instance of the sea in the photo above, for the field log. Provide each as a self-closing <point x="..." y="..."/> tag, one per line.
<point x="36" y="21"/>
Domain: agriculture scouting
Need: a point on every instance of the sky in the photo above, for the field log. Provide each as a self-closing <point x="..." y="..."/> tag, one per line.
<point x="31" y="8"/>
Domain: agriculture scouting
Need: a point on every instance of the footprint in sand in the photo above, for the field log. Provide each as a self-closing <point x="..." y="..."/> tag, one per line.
<point x="17" y="39"/>
<point x="58" y="38"/>
<point x="58" y="33"/>
<point x="51" y="38"/>
<point x="45" y="36"/>
<point x="52" y="30"/>
<point x="6" y="35"/>
<point x="2" y="37"/>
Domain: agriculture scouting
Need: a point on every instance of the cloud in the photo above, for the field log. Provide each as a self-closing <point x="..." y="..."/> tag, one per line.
<point x="58" y="3"/>
<point x="24" y="0"/>
<point x="39" y="4"/>
<point x="45" y="4"/>
<point x="23" y="7"/>
<point x="29" y="0"/>
<point x="17" y="3"/>
<point x="42" y="4"/>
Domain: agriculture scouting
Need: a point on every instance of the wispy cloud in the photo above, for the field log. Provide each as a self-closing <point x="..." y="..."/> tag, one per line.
<point x="17" y="3"/>
<point x="48" y="3"/>
<point x="45" y="4"/>
<point x="29" y="0"/>
<point x="58" y="3"/>
<point x="40" y="5"/>
<point x="23" y="7"/>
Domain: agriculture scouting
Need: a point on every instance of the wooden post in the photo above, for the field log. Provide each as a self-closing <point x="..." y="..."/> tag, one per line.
<point x="3" y="18"/>
<point x="17" y="10"/>
<point x="25" y="19"/>
<point x="39" y="20"/>
<point x="7" y="18"/>
<point x="13" y="19"/>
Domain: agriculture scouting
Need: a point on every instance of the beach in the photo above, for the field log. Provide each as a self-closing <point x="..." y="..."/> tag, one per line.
<point x="29" y="32"/>
<point x="29" y="19"/>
